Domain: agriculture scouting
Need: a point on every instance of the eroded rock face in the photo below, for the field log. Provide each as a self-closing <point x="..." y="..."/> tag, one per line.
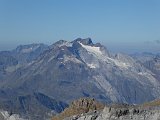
<point x="86" y="104"/>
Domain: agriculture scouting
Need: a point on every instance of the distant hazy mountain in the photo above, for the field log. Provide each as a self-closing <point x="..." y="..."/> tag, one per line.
<point x="11" y="60"/>
<point x="27" y="53"/>
<point x="66" y="71"/>
<point x="22" y="54"/>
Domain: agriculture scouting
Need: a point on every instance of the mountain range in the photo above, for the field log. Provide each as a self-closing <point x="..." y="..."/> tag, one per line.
<point x="38" y="81"/>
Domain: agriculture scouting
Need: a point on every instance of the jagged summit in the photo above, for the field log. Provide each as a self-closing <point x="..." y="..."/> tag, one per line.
<point x="86" y="41"/>
<point x="80" y="44"/>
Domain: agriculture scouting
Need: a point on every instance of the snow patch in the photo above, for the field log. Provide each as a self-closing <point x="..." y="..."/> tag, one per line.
<point x="92" y="49"/>
<point x="98" y="53"/>
<point x="91" y="65"/>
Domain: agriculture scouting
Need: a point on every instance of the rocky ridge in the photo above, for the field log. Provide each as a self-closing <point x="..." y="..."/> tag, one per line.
<point x="83" y="105"/>
<point x="119" y="114"/>
<point x="147" y="111"/>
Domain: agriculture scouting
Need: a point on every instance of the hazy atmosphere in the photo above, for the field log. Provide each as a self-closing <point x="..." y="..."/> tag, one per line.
<point x="79" y="59"/>
<point x="122" y="25"/>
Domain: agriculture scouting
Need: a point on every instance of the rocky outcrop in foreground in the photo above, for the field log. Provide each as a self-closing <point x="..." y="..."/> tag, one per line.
<point x="83" y="105"/>
<point x="119" y="114"/>
<point x="89" y="109"/>
<point x="4" y="115"/>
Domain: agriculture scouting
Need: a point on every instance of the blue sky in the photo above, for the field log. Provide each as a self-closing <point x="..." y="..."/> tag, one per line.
<point x="122" y="25"/>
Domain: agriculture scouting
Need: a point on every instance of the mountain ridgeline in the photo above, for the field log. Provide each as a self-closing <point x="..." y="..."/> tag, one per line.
<point x="45" y="79"/>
